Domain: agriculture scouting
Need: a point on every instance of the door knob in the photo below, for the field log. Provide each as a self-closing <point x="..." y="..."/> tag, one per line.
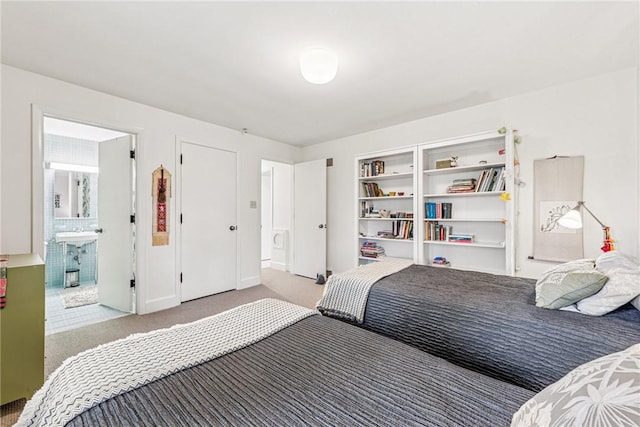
<point x="322" y="226"/>
<point x="98" y="230"/>
<point x="232" y="228"/>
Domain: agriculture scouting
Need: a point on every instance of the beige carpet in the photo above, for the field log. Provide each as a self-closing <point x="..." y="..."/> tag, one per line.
<point x="58" y="347"/>
<point x="79" y="296"/>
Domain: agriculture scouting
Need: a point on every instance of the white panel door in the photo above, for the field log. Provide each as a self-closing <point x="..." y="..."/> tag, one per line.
<point x="208" y="242"/>
<point x="115" y="207"/>
<point x="310" y="218"/>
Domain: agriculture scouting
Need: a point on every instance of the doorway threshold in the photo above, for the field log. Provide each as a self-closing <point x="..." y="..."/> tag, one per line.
<point x="60" y="319"/>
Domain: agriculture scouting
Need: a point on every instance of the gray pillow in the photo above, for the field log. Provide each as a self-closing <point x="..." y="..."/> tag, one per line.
<point x="572" y="288"/>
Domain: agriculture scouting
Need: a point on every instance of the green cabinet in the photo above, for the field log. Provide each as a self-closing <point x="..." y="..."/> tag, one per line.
<point x="22" y="329"/>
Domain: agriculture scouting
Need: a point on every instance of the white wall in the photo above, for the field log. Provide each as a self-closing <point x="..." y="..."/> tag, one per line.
<point x="597" y="118"/>
<point x="158" y="132"/>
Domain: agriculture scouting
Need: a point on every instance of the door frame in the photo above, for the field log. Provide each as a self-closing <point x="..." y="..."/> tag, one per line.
<point x="178" y="197"/>
<point x="38" y="113"/>
<point x="263" y="238"/>
<point x="290" y="242"/>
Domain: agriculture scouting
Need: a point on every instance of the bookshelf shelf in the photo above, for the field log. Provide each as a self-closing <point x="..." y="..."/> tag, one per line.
<point x="385" y="239"/>
<point x="384" y="177"/>
<point x="459" y="169"/>
<point x="386" y="219"/>
<point x="494" y="245"/>
<point x="474" y="194"/>
<point x="465" y="219"/>
<point x="387" y="198"/>
<point x="379" y="259"/>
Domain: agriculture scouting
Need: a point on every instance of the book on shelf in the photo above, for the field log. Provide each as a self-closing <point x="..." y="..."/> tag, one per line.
<point x="461" y="238"/>
<point x="371" y="189"/>
<point x="436" y="232"/>
<point x="402" y="229"/>
<point x="492" y="179"/>
<point x="446" y="210"/>
<point x="433" y="210"/>
<point x="372" y="168"/>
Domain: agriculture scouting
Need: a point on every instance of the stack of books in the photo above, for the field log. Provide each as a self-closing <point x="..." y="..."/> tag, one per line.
<point x="441" y="261"/>
<point x="463" y="185"/>
<point x="371" y="250"/>
<point x="461" y="238"/>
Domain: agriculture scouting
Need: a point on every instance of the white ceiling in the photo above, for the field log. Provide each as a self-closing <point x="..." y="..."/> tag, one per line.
<point x="235" y="64"/>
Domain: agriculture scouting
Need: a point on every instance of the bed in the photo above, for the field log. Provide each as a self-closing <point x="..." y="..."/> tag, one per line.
<point x="268" y="363"/>
<point x="484" y="322"/>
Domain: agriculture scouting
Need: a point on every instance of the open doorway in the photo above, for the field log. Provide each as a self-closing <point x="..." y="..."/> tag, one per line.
<point x="276" y="215"/>
<point x="80" y="201"/>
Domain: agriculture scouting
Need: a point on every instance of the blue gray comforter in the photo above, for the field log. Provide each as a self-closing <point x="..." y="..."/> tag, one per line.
<point x="317" y="372"/>
<point x="490" y="324"/>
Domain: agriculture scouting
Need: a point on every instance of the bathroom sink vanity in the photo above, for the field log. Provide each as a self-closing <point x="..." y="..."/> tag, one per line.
<point x="78" y="239"/>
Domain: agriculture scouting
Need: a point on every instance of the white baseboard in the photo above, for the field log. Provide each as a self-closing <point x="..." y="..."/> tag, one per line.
<point x="278" y="265"/>
<point x="249" y="282"/>
<point x="159" y="304"/>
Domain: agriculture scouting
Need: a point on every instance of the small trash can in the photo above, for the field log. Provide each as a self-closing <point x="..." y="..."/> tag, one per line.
<point x="72" y="278"/>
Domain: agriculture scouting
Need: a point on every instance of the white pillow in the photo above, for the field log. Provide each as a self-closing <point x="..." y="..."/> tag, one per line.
<point x="636" y="302"/>
<point x="603" y="392"/>
<point x="623" y="285"/>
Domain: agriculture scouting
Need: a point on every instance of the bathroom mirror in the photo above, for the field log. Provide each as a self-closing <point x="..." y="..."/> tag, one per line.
<point x="75" y="194"/>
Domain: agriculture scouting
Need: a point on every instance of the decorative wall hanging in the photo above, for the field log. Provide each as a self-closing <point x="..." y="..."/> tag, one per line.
<point x="3" y="281"/>
<point x="558" y="186"/>
<point x="161" y="192"/>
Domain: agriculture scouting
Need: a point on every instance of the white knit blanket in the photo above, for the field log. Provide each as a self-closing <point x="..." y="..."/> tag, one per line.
<point x="108" y="370"/>
<point x="345" y="294"/>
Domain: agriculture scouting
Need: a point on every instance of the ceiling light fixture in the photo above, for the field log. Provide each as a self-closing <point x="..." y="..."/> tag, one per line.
<point x="318" y="65"/>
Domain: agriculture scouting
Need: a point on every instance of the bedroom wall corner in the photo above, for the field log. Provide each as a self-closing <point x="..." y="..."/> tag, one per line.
<point x="156" y="266"/>
<point x="596" y="117"/>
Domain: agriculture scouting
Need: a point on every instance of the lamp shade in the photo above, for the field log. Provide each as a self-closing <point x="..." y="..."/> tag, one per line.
<point x="571" y="219"/>
<point x="318" y="65"/>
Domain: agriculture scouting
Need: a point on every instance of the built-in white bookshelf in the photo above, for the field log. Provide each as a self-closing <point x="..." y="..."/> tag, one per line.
<point x="480" y="192"/>
<point x="393" y="188"/>
<point x="386" y="205"/>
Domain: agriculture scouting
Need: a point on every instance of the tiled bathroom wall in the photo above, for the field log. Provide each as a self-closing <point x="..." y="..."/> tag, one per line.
<point x="63" y="149"/>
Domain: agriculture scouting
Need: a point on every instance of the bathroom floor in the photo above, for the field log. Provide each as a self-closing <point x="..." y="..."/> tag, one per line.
<point x="60" y="319"/>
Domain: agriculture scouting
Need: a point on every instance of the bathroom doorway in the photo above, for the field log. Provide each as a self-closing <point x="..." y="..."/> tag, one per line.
<point x="276" y="214"/>
<point x="88" y="199"/>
